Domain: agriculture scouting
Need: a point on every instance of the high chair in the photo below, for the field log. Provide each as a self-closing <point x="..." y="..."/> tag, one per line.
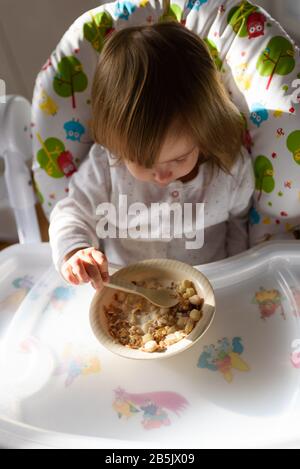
<point x="238" y="387"/>
<point x="16" y="153"/>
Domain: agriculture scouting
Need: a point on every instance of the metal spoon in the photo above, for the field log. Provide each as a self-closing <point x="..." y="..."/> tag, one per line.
<point x="163" y="298"/>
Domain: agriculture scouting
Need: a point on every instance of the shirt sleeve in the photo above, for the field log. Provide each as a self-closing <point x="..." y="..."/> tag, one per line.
<point x="242" y="188"/>
<point x="73" y="220"/>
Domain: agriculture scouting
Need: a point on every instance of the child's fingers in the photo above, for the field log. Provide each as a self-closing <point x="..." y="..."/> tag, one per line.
<point x="79" y="270"/>
<point x="91" y="268"/>
<point x="102" y="262"/>
<point x="68" y="274"/>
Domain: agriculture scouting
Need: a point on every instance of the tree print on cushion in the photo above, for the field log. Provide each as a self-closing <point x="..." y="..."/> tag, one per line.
<point x="264" y="175"/>
<point x="54" y="159"/>
<point x="238" y="17"/>
<point x="293" y="144"/>
<point x="174" y="13"/>
<point x="70" y="79"/>
<point x="277" y="58"/>
<point x="214" y="53"/>
<point x="100" y="26"/>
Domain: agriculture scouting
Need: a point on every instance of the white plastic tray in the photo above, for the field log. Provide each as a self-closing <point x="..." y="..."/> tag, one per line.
<point x="21" y="267"/>
<point x="238" y="387"/>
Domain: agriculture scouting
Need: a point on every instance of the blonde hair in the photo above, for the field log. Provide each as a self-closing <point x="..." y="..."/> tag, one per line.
<point x="149" y="78"/>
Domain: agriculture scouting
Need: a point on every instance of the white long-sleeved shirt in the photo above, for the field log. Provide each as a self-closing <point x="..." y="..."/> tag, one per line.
<point x="74" y="222"/>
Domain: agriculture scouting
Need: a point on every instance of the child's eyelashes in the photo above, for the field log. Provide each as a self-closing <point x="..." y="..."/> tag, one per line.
<point x="179" y="160"/>
<point x="183" y="158"/>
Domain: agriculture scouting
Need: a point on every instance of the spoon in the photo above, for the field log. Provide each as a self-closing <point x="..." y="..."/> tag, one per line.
<point x="163" y="298"/>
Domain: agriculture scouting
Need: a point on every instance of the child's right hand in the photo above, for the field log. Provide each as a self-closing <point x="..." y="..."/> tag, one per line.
<point x="84" y="266"/>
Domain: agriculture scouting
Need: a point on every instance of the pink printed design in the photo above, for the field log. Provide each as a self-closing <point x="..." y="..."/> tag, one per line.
<point x="66" y="164"/>
<point x="256" y="25"/>
<point x="75" y="363"/>
<point x="269" y="301"/>
<point x="47" y="65"/>
<point x="29" y="345"/>
<point x="152" y="406"/>
<point x="295" y="355"/>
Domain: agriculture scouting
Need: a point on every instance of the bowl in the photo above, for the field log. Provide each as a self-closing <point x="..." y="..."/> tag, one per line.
<point x="165" y="271"/>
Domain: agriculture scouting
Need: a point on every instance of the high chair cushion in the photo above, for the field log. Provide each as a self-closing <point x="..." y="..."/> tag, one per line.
<point x="259" y="65"/>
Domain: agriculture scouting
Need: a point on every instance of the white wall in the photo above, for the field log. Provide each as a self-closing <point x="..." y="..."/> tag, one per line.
<point x="29" y="31"/>
<point x="264" y="3"/>
<point x="287" y="12"/>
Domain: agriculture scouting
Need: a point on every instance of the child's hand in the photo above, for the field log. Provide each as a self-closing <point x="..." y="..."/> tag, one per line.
<point x="84" y="266"/>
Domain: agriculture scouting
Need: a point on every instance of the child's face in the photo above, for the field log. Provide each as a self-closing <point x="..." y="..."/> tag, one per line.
<point x="178" y="157"/>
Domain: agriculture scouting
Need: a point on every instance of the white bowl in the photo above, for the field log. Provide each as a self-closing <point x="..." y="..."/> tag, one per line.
<point x="165" y="271"/>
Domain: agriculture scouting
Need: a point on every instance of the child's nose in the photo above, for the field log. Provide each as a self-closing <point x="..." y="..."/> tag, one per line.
<point x="162" y="175"/>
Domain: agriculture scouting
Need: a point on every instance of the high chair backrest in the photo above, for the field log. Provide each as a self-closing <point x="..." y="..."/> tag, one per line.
<point x="258" y="62"/>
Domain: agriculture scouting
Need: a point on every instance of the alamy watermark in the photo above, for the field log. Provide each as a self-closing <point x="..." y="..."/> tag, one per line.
<point x="2" y="92"/>
<point x="159" y="221"/>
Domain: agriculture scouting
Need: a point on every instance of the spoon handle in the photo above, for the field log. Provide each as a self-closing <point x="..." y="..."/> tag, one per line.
<point x="123" y="286"/>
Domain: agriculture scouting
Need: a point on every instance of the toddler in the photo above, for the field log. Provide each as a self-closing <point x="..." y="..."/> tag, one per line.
<point x="166" y="135"/>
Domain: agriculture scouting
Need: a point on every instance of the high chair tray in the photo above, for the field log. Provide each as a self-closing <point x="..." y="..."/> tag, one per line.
<point x="21" y="267"/>
<point x="238" y="387"/>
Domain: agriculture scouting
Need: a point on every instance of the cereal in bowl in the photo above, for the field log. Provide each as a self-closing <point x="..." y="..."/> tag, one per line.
<point x="138" y="324"/>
